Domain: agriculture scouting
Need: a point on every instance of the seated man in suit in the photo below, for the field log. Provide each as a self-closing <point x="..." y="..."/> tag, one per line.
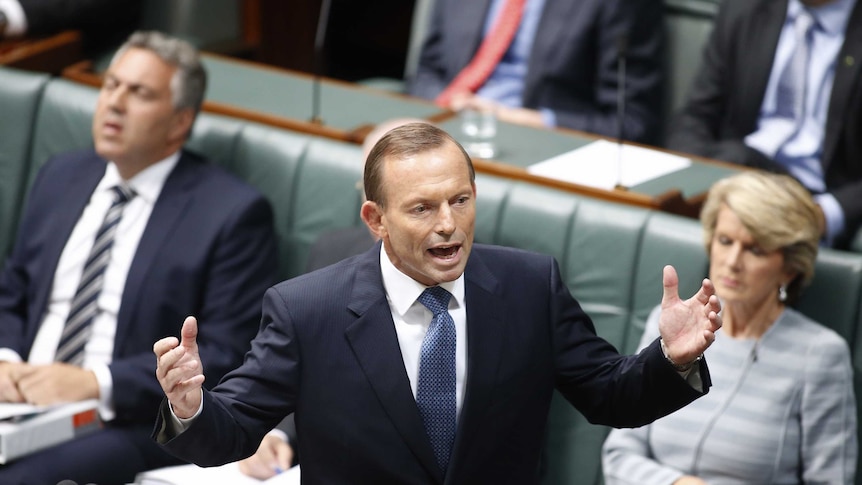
<point x="426" y="357"/>
<point x="763" y="99"/>
<point x="115" y="245"/>
<point x="556" y="64"/>
<point x="101" y="22"/>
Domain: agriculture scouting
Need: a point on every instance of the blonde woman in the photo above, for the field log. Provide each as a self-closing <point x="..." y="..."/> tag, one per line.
<point x="782" y="408"/>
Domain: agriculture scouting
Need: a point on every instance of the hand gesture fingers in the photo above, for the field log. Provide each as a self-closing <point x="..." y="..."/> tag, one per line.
<point x="179" y="369"/>
<point x="688" y="327"/>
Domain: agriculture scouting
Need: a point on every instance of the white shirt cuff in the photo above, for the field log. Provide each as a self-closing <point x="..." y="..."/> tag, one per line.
<point x="9" y="355"/>
<point x="834" y="216"/>
<point x="106" y="389"/>
<point x="177" y="425"/>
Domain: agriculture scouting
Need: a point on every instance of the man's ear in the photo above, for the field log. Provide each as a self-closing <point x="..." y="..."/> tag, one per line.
<point x="181" y="127"/>
<point x="372" y="215"/>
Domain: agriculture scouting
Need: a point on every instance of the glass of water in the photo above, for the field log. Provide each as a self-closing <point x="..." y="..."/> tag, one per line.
<point x="479" y="128"/>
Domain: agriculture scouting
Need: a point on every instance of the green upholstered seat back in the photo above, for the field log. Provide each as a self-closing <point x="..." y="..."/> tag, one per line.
<point x="63" y="122"/>
<point x="19" y="101"/>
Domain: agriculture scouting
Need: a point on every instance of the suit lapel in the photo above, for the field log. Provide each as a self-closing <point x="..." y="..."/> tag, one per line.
<point x="168" y="210"/>
<point x="472" y="22"/>
<point x="847" y="72"/>
<point x="757" y="52"/>
<point x="552" y="36"/>
<point x="374" y="343"/>
<point x="485" y="321"/>
<point x="70" y="205"/>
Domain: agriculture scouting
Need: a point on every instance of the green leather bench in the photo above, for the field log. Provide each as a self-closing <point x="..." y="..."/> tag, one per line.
<point x="610" y="254"/>
<point x="20" y="94"/>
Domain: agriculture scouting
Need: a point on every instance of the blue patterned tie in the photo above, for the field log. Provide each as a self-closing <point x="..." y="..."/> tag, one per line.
<point x="790" y="94"/>
<point x="84" y="309"/>
<point x="435" y="393"/>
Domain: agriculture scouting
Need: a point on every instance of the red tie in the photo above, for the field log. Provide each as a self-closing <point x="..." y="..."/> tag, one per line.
<point x="489" y="54"/>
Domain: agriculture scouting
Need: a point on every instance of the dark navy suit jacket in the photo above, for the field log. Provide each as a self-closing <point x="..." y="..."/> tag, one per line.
<point x="572" y="69"/>
<point x="208" y="250"/>
<point x="328" y="350"/>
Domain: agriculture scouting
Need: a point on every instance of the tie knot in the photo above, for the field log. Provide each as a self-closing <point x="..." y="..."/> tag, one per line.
<point x="804" y="22"/>
<point x="122" y="193"/>
<point x="435" y="299"/>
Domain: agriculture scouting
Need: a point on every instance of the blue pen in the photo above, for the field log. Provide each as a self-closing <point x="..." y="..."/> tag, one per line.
<point x="278" y="470"/>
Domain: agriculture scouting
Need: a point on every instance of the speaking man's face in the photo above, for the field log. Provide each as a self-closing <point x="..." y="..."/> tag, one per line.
<point x="429" y="215"/>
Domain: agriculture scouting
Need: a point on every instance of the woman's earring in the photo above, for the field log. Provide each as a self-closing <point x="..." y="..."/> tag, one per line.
<point x="782" y="293"/>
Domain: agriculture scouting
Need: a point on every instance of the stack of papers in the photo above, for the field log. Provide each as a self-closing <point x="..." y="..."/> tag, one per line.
<point x="25" y="429"/>
<point x="220" y="475"/>
<point x="605" y="165"/>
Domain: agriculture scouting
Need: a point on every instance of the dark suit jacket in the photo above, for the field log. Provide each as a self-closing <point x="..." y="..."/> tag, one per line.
<point x="329" y="248"/>
<point x="728" y="91"/>
<point x="328" y="349"/>
<point x="572" y="68"/>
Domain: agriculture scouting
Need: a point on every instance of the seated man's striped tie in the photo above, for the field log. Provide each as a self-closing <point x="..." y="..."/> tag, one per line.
<point x="84" y="306"/>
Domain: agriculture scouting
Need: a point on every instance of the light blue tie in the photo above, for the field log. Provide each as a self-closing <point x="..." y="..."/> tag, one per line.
<point x="78" y="327"/>
<point x="435" y="394"/>
<point x="791" y="92"/>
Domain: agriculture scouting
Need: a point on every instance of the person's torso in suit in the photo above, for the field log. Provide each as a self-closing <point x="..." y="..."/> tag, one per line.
<point x="728" y="91"/>
<point x="328" y="351"/>
<point x="572" y="68"/>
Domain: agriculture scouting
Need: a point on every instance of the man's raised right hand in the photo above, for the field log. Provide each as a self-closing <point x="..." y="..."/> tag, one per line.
<point x="179" y="369"/>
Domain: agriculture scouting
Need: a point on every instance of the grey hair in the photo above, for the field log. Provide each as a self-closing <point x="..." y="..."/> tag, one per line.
<point x="189" y="82"/>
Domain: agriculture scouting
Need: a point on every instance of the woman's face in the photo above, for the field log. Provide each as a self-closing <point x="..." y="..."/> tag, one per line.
<point x="743" y="273"/>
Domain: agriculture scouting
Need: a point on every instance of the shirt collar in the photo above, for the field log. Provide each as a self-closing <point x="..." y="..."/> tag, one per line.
<point x="402" y="290"/>
<point x="832" y="17"/>
<point x="147" y="184"/>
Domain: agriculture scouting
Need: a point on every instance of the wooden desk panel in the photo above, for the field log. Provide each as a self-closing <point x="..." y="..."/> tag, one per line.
<point x="348" y="111"/>
<point x="44" y="54"/>
<point x="284" y="98"/>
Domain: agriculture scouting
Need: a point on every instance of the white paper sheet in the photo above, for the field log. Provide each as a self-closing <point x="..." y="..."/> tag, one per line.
<point x="228" y="474"/>
<point x="598" y="165"/>
<point x="13" y="411"/>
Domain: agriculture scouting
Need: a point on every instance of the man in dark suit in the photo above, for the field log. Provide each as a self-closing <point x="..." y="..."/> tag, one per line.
<point x="103" y="23"/>
<point x="737" y="111"/>
<point x="190" y="239"/>
<point x="383" y="391"/>
<point x="561" y="67"/>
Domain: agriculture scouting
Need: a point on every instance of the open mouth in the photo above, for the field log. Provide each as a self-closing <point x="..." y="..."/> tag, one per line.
<point x="445" y="252"/>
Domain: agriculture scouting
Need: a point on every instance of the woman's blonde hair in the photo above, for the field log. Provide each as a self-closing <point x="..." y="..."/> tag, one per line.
<point x="779" y="213"/>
